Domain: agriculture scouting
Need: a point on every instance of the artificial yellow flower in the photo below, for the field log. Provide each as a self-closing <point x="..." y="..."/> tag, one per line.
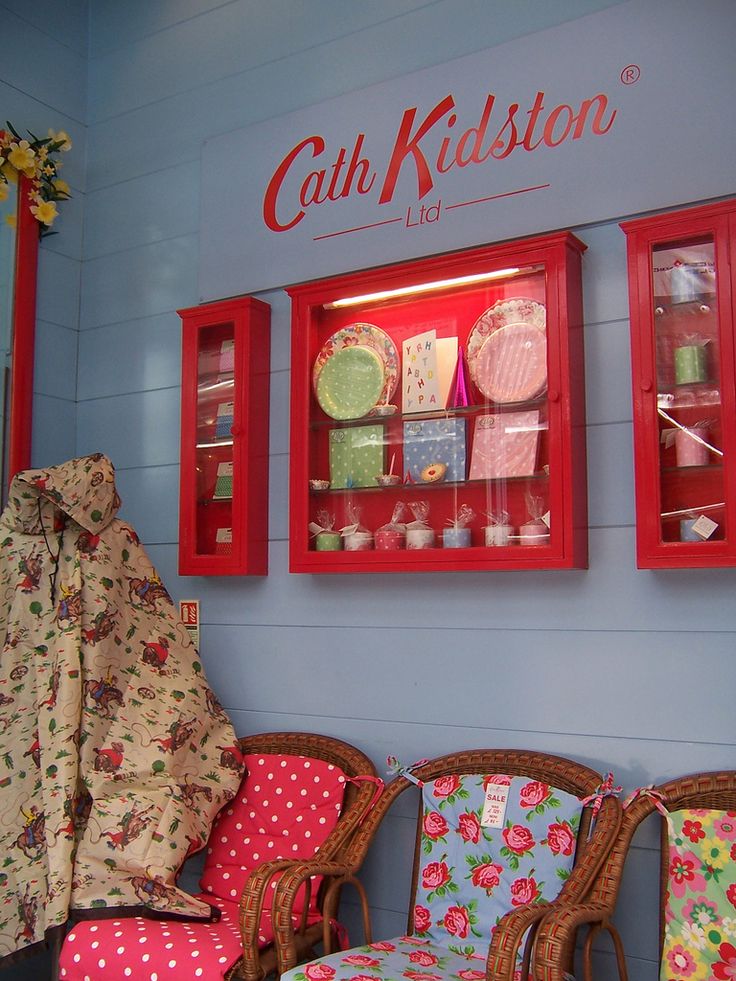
<point x="9" y="173"/>
<point x="61" y="137"/>
<point x="4" y="191"/>
<point x="61" y="187"/>
<point x="10" y="220"/>
<point x="49" y="170"/>
<point x="23" y="157"/>
<point x="45" y="212"/>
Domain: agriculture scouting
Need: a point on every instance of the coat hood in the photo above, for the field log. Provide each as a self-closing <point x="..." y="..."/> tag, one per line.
<point x="82" y="489"/>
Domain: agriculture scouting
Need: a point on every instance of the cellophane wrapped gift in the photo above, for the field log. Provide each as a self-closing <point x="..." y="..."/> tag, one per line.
<point x="355" y="536"/>
<point x="418" y="532"/>
<point x="534" y="531"/>
<point x="326" y="539"/>
<point x="458" y="535"/>
<point x="392" y="535"/>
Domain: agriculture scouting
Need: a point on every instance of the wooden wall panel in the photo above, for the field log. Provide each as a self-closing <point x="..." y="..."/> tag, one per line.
<point x="618" y="668"/>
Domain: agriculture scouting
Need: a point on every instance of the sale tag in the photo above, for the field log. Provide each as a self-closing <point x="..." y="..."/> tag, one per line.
<point x="494" y="807"/>
<point x="704" y="526"/>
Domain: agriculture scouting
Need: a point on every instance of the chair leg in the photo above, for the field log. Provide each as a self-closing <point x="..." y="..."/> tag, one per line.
<point x="620" y="955"/>
<point x="618" y="947"/>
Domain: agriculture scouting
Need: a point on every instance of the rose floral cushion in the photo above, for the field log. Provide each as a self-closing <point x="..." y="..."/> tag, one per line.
<point x="285" y="808"/>
<point x="470" y="875"/>
<point x="700" y="907"/>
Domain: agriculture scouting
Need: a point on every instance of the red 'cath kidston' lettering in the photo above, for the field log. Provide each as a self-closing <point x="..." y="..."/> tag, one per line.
<point x="415" y="147"/>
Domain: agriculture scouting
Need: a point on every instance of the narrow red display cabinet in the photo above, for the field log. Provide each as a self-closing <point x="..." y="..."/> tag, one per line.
<point x="223" y="518"/>
<point x="438" y="415"/>
<point x="682" y="335"/>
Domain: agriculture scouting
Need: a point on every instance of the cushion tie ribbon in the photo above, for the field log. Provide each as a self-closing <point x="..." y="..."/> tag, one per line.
<point x="399" y="770"/>
<point x="603" y="790"/>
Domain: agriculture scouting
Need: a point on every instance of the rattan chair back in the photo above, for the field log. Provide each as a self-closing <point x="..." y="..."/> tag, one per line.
<point x="557" y="935"/>
<point x="563" y="774"/>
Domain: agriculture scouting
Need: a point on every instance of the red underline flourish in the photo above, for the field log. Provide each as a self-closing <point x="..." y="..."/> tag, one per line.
<point x="494" y="197"/>
<point x="359" y="228"/>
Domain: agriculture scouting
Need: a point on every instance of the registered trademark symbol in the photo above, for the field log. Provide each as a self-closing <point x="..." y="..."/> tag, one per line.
<point x="630" y="74"/>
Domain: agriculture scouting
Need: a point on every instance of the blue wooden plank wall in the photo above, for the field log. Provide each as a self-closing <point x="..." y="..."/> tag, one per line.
<point x="619" y="668"/>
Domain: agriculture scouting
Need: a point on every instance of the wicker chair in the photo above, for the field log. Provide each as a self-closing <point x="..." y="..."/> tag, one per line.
<point x="555" y="947"/>
<point x="352" y="788"/>
<point x="519" y="921"/>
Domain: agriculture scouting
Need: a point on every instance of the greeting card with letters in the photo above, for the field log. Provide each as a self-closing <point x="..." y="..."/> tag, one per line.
<point x="505" y="445"/>
<point x="356" y="456"/>
<point x="420" y="386"/>
<point x="434" y="449"/>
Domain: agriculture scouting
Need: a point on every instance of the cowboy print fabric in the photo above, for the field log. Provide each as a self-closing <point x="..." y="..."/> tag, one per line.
<point x="115" y="755"/>
<point x="489" y="844"/>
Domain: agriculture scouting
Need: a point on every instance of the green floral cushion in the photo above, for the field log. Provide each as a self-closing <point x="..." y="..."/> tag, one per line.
<point x="700" y="911"/>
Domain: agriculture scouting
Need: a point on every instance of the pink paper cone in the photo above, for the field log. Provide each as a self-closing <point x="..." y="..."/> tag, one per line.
<point x="459" y="395"/>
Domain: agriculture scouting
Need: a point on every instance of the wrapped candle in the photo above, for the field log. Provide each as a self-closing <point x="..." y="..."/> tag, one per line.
<point x="458" y="534"/>
<point x="418" y="532"/>
<point x="498" y="530"/>
<point x="392" y="535"/>
<point x="326" y="539"/>
<point x="687" y="532"/>
<point x="355" y="537"/>
<point x="691" y="445"/>
<point x="535" y="531"/>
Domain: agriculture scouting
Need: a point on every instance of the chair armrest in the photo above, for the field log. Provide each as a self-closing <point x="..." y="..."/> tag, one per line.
<point x="282" y="905"/>
<point x="252" y="901"/>
<point x="507" y="938"/>
<point x="556" y="937"/>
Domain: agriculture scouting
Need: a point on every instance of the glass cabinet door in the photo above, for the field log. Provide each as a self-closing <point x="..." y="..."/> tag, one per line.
<point x="214" y="447"/>
<point x="223" y="526"/>
<point x="431" y="414"/>
<point x="682" y="353"/>
<point x="688" y="358"/>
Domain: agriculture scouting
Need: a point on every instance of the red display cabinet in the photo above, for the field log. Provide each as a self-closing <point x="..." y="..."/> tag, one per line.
<point x="438" y="414"/>
<point x="223" y="518"/>
<point x="682" y="335"/>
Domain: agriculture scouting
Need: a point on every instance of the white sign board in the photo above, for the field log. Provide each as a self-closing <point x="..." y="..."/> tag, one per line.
<point x="627" y="110"/>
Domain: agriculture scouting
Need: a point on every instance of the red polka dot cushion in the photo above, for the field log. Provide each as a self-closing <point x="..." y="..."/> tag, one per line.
<point x="137" y="949"/>
<point x="286" y="807"/>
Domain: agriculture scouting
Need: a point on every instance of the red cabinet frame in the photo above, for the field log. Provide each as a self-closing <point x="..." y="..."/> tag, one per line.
<point x="682" y="292"/>
<point x="223" y="518"/>
<point x="450" y="292"/>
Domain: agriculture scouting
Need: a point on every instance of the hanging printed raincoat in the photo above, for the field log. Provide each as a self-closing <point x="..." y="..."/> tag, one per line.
<point x="115" y="755"/>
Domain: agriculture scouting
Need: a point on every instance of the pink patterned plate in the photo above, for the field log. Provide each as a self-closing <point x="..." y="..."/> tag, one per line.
<point x="363" y="335"/>
<point x="518" y="309"/>
<point x="511" y="365"/>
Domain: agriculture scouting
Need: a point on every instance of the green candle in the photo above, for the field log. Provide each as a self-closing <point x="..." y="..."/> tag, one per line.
<point x="690" y="364"/>
<point x="328" y="541"/>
